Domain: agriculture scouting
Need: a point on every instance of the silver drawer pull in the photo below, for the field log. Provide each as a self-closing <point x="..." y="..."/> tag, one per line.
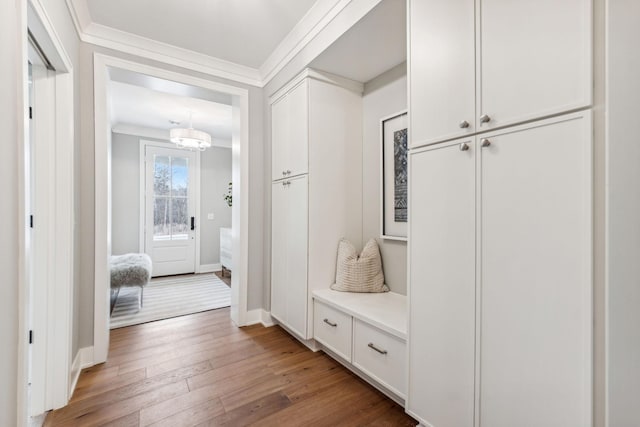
<point x="372" y="346"/>
<point x="328" y="322"/>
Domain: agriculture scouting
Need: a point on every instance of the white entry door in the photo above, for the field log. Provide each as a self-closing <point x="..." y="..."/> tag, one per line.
<point x="170" y="214"/>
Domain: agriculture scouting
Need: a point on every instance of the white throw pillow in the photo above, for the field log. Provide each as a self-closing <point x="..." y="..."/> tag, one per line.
<point x="359" y="273"/>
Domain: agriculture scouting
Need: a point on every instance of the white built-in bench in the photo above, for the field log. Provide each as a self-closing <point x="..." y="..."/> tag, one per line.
<point x="367" y="332"/>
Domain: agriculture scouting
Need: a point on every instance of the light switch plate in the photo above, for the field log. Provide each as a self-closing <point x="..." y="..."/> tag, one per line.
<point x="210" y="216"/>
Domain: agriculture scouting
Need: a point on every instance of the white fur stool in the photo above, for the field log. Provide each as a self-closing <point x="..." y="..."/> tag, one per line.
<point x="130" y="270"/>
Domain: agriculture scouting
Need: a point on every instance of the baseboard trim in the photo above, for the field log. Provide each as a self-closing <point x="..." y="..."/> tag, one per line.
<point x="259" y="315"/>
<point x="83" y="359"/>
<point x="210" y="268"/>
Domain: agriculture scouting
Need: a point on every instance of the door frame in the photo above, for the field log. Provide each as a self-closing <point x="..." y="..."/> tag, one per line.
<point x="59" y="222"/>
<point x="240" y="175"/>
<point x="144" y="143"/>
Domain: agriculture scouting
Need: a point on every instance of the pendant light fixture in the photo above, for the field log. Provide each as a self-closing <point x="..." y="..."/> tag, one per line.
<point x="189" y="137"/>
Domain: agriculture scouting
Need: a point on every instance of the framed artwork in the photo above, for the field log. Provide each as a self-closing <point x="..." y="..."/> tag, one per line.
<point x="394" y="139"/>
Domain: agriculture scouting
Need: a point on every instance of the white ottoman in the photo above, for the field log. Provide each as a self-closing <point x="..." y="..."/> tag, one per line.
<point x="130" y="270"/>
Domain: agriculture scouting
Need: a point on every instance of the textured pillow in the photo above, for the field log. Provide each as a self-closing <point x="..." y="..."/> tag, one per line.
<point x="359" y="273"/>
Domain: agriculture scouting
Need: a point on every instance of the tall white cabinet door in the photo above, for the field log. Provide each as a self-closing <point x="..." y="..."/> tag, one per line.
<point x="441" y="70"/>
<point x="290" y="133"/>
<point x="536" y="282"/>
<point x="279" y="259"/>
<point x="297" y="250"/>
<point x="536" y="59"/>
<point x="442" y="286"/>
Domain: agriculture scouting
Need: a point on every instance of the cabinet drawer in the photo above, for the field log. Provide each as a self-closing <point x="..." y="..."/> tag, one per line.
<point x="380" y="355"/>
<point x="332" y="328"/>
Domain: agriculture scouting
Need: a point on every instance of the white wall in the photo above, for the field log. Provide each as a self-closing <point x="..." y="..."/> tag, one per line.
<point x="623" y="222"/>
<point x="125" y="194"/>
<point x="383" y="96"/>
<point x="215" y="170"/>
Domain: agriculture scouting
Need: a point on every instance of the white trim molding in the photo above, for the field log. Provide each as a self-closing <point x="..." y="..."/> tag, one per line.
<point x="57" y="219"/>
<point x="260" y="315"/>
<point x="82" y="360"/>
<point x="240" y="212"/>
<point x="315" y="22"/>
<point x="209" y="268"/>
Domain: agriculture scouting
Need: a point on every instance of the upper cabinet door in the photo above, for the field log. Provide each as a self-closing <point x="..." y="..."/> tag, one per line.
<point x="290" y="133"/>
<point x="535" y="59"/>
<point x="441" y="70"/>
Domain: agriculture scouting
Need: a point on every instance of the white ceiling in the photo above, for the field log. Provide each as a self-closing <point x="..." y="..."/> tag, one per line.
<point x="244" y="32"/>
<point x="142" y="107"/>
<point x="377" y="43"/>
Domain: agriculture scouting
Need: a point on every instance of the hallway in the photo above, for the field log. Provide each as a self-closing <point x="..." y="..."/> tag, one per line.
<point x="202" y="370"/>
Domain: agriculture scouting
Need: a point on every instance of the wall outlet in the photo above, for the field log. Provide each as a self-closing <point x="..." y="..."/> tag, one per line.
<point x="210" y="216"/>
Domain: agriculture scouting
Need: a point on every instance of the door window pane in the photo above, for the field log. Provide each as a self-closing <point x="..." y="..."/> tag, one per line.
<point x="162" y="175"/>
<point x="171" y="219"/>
<point x="179" y="176"/>
<point x="161" y="219"/>
<point x="180" y="220"/>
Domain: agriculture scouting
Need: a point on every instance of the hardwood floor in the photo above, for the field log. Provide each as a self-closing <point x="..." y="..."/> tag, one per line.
<point x="201" y="370"/>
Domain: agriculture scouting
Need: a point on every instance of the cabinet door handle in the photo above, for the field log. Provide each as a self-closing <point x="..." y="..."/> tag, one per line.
<point x="464" y="146"/>
<point x="288" y="172"/>
<point x="485" y="142"/>
<point x="485" y="118"/>
<point x="330" y="323"/>
<point x="284" y="173"/>
<point x="372" y="346"/>
<point x="464" y="124"/>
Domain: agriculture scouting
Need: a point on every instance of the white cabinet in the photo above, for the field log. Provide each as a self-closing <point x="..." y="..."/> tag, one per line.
<point x="442" y="317"/>
<point x="289" y="230"/>
<point x="370" y="335"/>
<point x="500" y="278"/>
<point x="441" y="69"/>
<point x="290" y="126"/>
<point x="333" y="328"/>
<point x="317" y="142"/>
<point x="495" y="63"/>
<point x="380" y="355"/>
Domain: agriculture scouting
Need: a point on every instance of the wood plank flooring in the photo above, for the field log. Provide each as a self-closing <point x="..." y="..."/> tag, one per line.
<point x="201" y="370"/>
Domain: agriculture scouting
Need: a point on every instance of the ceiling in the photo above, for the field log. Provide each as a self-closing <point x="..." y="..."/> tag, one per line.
<point x="244" y="32"/>
<point x="241" y="31"/>
<point x="375" y="44"/>
<point x="142" y="107"/>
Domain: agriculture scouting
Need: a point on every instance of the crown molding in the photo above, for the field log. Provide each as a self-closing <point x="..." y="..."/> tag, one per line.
<point x="151" y="49"/>
<point x="321" y="14"/>
<point x="311" y="24"/>
<point x="79" y="14"/>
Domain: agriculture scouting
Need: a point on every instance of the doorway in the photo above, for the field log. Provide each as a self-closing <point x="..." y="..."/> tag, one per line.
<point x="104" y="68"/>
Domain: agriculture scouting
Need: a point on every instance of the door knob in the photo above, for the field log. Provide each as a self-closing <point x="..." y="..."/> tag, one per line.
<point x="485" y="142"/>
<point x="464" y="124"/>
<point x="485" y="118"/>
<point x="464" y="146"/>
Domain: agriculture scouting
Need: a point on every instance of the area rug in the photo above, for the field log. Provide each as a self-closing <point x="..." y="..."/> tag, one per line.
<point x="167" y="297"/>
